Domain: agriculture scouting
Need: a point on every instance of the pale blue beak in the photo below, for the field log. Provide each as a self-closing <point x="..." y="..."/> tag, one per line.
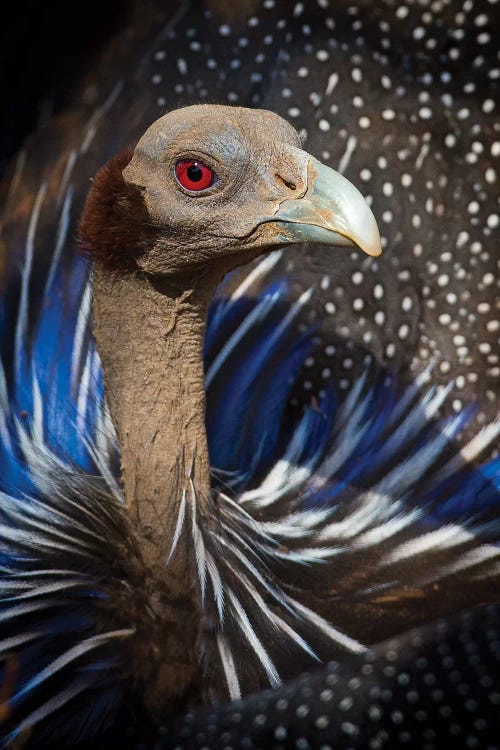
<point x="331" y="212"/>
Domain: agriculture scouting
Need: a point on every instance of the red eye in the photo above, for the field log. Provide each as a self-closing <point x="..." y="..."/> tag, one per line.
<point x="194" y="175"/>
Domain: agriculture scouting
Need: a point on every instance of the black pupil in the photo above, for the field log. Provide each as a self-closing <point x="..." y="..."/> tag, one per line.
<point x="195" y="173"/>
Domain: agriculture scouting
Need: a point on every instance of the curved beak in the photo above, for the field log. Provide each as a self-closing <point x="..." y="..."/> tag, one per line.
<point x="332" y="212"/>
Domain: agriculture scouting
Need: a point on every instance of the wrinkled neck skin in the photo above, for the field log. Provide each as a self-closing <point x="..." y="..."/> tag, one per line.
<point x="150" y="334"/>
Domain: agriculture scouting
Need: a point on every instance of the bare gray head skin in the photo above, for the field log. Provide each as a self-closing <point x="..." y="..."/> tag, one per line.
<point x="251" y="156"/>
<point x="160" y="250"/>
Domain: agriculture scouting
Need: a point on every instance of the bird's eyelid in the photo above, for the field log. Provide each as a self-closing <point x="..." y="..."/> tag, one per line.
<point x="196" y="154"/>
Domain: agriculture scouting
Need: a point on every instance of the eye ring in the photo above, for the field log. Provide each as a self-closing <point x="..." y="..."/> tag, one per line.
<point x="193" y="175"/>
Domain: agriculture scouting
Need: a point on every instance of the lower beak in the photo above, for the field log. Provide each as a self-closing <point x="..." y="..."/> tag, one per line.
<point x="331" y="212"/>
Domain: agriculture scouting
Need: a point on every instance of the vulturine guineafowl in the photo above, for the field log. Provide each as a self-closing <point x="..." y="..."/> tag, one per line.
<point x="140" y="579"/>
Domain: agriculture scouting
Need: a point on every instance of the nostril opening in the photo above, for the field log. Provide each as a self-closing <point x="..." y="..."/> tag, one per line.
<point x="290" y="185"/>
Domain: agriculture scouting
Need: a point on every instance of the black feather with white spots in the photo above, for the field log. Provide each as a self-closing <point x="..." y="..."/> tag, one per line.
<point x="433" y="688"/>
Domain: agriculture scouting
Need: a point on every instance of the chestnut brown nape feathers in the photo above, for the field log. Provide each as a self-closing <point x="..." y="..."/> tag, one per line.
<point x="115" y="225"/>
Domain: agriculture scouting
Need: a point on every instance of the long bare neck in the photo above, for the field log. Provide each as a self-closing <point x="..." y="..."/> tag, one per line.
<point x="150" y="336"/>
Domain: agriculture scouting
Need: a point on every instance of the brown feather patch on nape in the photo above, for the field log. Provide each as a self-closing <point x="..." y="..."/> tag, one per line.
<point x="115" y="227"/>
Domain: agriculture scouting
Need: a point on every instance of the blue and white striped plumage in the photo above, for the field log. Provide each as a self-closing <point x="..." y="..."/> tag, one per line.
<point x="360" y="510"/>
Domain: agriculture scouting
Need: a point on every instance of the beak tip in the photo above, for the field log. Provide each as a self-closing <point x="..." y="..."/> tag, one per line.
<point x="374" y="252"/>
<point x="370" y="243"/>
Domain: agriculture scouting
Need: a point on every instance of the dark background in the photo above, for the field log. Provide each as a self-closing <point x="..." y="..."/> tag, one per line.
<point x="45" y="47"/>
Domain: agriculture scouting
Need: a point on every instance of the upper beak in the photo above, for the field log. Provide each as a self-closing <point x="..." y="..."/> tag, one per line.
<point x="332" y="211"/>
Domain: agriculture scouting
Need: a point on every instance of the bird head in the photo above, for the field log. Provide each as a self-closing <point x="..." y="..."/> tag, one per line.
<point x="208" y="184"/>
